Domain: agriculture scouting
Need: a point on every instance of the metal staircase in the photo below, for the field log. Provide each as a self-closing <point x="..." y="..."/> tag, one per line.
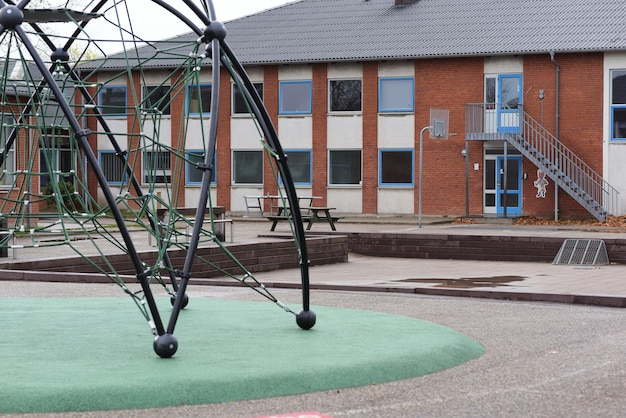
<point x="565" y="168"/>
<point x="559" y="163"/>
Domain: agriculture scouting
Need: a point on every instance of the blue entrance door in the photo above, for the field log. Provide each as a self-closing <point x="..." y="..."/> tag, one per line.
<point x="510" y="99"/>
<point x="509" y="194"/>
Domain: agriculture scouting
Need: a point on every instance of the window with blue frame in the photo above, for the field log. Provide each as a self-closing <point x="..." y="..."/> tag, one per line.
<point x="396" y="167"/>
<point x="396" y="94"/>
<point x="618" y="105"/>
<point x="300" y="167"/>
<point x="193" y="173"/>
<point x="112" y="100"/>
<point x="199" y="99"/>
<point x="157" y="167"/>
<point x="112" y="167"/>
<point x="295" y="97"/>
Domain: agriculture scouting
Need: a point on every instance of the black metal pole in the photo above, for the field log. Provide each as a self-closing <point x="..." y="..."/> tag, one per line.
<point x="81" y="136"/>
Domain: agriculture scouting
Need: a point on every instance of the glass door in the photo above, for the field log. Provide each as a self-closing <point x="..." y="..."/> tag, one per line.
<point x="509" y="99"/>
<point x="509" y="187"/>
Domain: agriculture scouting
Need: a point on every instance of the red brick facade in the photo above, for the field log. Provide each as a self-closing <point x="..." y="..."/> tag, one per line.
<point x="452" y="183"/>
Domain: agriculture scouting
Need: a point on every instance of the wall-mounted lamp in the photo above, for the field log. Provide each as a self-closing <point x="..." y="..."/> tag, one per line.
<point x="463" y="153"/>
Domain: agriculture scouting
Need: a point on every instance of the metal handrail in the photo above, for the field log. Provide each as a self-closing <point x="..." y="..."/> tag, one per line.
<point x="559" y="162"/>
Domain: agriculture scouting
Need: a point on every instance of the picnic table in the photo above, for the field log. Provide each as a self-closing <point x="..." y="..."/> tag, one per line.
<point x="255" y="203"/>
<point x="310" y="214"/>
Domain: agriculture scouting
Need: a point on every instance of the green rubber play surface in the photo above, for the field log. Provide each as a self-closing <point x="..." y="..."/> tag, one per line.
<point x="80" y="354"/>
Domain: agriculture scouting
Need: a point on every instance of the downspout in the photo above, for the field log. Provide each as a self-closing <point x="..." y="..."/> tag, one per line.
<point x="556" y="130"/>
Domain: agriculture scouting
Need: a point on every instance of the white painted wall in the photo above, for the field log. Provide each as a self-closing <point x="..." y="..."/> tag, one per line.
<point x="295" y="72"/>
<point x="295" y="132"/>
<point x="396" y="201"/>
<point x="503" y="65"/>
<point x="244" y="134"/>
<point x="346" y="199"/>
<point x="396" y="69"/>
<point x="614" y="153"/>
<point x="194" y="137"/>
<point x="192" y="196"/>
<point x="345" y="132"/>
<point x="396" y="131"/>
<point x="117" y="126"/>
<point x="237" y="201"/>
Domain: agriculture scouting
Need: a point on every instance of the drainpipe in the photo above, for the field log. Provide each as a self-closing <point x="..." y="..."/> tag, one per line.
<point x="556" y="131"/>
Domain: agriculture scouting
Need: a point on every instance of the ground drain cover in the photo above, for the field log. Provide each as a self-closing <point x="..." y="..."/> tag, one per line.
<point x="582" y="251"/>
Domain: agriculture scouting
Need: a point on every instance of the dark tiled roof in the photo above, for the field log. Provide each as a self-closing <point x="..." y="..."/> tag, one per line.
<point x="355" y="30"/>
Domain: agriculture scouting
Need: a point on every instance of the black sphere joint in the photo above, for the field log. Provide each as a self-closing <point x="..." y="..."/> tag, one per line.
<point x="11" y="17"/>
<point x="60" y="55"/>
<point x="215" y="30"/>
<point x="185" y="301"/>
<point x="305" y="319"/>
<point x="165" y="345"/>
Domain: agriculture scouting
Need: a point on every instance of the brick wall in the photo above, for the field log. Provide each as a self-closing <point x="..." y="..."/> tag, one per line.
<point x="320" y="129"/>
<point x="256" y="257"/>
<point x="370" y="138"/>
<point x="580" y="119"/>
<point x="270" y="100"/>
<point x="223" y="157"/>
<point x="448" y="84"/>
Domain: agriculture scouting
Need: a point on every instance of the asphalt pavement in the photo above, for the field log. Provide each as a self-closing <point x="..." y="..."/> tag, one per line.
<point x="550" y="356"/>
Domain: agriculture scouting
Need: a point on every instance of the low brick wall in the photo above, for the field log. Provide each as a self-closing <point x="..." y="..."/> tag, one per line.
<point x="469" y="247"/>
<point x="256" y="257"/>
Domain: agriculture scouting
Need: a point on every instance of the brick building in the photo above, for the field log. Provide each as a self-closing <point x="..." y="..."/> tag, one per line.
<point x="514" y="93"/>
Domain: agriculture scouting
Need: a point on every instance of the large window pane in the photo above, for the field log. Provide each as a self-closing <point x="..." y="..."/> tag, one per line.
<point x="295" y="97"/>
<point x="345" y="95"/>
<point x="239" y="102"/>
<point x="619" y="122"/>
<point x="248" y="167"/>
<point x="112" y="166"/>
<point x="112" y="100"/>
<point x="157" y="167"/>
<point x="157" y="98"/>
<point x="395" y="95"/>
<point x="344" y="167"/>
<point x="618" y="105"/>
<point x="299" y="163"/>
<point x="8" y="164"/>
<point x="396" y="167"/>
<point x="194" y="174"/>
<point x="510" y="94"/>
<point x="55" y="156"/>
<point x="490" y="93"/>
<point x="198" y="99"/>
<point x="618" y="88"/>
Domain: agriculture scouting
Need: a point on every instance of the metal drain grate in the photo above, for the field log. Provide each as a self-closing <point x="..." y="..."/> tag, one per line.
<point x="582" y="251"/>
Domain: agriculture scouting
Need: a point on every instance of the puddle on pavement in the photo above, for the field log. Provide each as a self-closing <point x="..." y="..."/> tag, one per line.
<point x="469" y="282"/>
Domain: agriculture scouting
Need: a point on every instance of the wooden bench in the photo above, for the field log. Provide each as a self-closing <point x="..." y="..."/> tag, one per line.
<point x="189" y="216"/>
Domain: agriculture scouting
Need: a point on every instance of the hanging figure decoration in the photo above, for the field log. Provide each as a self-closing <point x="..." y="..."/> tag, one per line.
<point x="541" y="183"/>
